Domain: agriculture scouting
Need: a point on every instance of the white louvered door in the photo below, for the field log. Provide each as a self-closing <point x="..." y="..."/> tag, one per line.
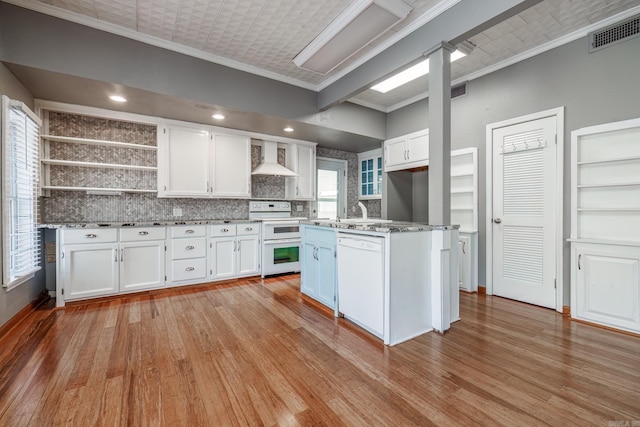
<point x="524" y="212"/>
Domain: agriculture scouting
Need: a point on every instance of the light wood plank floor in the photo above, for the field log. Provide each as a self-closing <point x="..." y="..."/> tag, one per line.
<point x="257" y="353"/>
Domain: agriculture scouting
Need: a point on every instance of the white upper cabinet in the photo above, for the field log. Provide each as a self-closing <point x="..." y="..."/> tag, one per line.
<point x="302" y="160"/>
<point x="407" y="151"/>
<point x="197" y="162"/>
<point x="183" y="162"/>
<point x="370" y="174"/>
<point x="231" y="172"/>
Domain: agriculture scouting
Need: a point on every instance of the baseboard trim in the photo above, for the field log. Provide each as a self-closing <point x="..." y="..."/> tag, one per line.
<point x="566" y="310"/>
<point x="482" y="290"/>
<point x="609" y="328"/>
<point x="42" y="298"/>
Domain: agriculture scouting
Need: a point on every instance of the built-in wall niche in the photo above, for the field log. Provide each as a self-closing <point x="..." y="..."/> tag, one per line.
<point x="97" y="155"/>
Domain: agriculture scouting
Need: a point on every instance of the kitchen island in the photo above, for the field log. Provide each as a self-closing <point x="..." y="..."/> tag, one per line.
<point x="397" y="280"/>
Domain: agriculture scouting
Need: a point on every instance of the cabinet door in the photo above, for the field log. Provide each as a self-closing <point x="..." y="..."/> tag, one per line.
<point x="248" y="255"/>
<point x="309" y="269"/>
<point x="223" y="258"/>
<point x="231" y="171"/>
<point x="418" y="146"/>
<point x="395" y="153"/>
<point x="607" y="287"/>
<point x="464" y="262"/>
<point x="326" y="274"/>
<point x="89" y="270"/>
<point x="141" y="265"/>
<point x="184" y="163"/>
<point x="302" y="160"/>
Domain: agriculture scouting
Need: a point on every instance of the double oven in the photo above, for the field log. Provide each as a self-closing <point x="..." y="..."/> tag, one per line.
<point x="280" y="236"/>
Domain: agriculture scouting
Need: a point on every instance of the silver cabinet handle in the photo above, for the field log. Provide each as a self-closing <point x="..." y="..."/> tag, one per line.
<point x="464" y="244"/>
<point x="90" y="236"/>
<point x="579" y="265"/>
<point x="190" y="247"/>
<point x="408" y="154"/>
<point x="248" y="229"/>
<point x="143" y="233"/>
<point x="497" y="220"/>
<point x="115" y="253"/>
<point x="238" y="246"/>
<point x="189" y="269"/>
<point x="189" y="231"/>
<point x="121" y="255"/>
<point x="224" y="230"/>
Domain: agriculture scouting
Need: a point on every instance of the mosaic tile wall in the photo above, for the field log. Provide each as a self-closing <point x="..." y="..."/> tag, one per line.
<point x="374" y="207"/>
<point x="77" y="206"/>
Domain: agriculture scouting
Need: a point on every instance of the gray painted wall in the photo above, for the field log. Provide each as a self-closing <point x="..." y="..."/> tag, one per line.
<point x="594" y="88"/>
<point x="15" y="300"/>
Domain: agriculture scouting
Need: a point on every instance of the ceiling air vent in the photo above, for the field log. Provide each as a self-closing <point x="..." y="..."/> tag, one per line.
<point x="616" y="33"/>
<point x="459" y="90"/>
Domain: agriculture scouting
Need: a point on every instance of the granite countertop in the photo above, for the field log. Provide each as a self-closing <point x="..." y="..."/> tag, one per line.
<point x="379" y="227"/>
<point x="144" y="223"/>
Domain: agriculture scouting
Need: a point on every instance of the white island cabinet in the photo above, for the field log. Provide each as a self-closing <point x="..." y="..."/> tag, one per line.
<point x="406" y="284"/>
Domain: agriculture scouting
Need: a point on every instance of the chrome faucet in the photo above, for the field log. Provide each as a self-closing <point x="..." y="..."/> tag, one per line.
<point x="363" y="208"/>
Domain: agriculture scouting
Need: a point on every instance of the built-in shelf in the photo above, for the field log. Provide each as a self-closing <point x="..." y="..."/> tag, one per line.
<point x="612" y="160"/>
<point x="609" y="184"/>
<point x="88" y="141"/>
<point x="97" y="189"/>
<point x="610" y="209"/>
<point x="462" y="191"/>
<point x="470" y="208"/>
<point x="97" y="165"/>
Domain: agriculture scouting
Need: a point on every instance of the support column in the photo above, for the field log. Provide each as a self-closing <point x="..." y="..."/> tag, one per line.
<point x="440" y="134"/>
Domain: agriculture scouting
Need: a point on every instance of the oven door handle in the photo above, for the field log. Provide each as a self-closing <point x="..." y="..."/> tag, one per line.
<point x="280" y="241"/>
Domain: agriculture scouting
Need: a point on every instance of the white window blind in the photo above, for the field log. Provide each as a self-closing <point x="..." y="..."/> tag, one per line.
<point x="20" y="187"/>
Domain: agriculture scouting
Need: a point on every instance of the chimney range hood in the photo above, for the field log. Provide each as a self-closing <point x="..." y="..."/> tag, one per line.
<point x="269" y="161"/>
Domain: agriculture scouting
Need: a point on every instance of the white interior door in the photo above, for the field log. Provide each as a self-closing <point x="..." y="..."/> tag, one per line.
<point x="524" y="211"/>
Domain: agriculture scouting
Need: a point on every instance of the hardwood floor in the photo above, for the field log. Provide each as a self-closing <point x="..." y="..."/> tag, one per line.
<point x="258" y="353"/>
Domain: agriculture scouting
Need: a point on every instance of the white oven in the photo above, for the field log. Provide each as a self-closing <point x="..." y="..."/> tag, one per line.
<point x="280" y="237"/>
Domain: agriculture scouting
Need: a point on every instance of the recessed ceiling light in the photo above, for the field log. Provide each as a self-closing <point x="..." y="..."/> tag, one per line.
<point x="118" y="98"/>
<point x="411" y="73"/>
<point x="218" y="116"/>
<point x="288" y="129"/>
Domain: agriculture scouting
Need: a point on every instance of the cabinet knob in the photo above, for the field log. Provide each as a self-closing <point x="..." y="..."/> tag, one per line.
<point x="143" y="233"/>
<point x="90" y="236"/>
<point x="189" y="231"/>
<point x="190" y="248"/>
<point x="189" y="269"/>
<point x="497" y="220"/>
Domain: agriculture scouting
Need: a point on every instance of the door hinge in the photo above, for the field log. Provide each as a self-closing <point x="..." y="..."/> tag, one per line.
<point x="164" y="130"/>
<point x="555" y="283"/>
<point x="62" y="290"/>
<point x="165" y="248"/>
<point x="556" y="136"/>
<point x="165" y="278"/>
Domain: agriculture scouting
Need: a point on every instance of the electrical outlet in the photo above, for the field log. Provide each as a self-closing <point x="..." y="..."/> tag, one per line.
<point x="177" y="211"/>
<point x="353" y="209"/>
<point x="298" y="208"/>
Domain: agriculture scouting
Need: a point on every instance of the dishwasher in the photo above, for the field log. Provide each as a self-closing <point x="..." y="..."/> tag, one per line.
<point x="361" y="280"/>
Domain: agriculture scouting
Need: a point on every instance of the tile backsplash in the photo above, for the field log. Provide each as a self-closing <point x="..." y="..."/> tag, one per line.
<point x="77" y="206"/>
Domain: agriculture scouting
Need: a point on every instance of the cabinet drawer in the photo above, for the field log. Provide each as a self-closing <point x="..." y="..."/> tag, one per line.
<point x="140" y="234"/>
<point x="246" y="229"/>
<point x="188" y="269"/>
<point x="189" y="231"/>
<point x="189" y="248"/>
<point x="221" y="230"/>
<point x="90" y="235"/>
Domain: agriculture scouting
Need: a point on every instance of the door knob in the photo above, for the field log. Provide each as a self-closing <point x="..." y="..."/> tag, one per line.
<point x="497" y="220"/>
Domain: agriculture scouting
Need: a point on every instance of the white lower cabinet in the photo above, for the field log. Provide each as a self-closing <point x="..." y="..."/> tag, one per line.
<point x="468" y="261"/>
<point x="605" y="285"/>
<point x="234" y="250"/>
<point x="100" y="262"/>
<point x="187" y="255"/>
<point x="318" y="264"/>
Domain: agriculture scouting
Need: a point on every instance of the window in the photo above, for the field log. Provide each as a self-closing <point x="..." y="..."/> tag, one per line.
<point x="331" y="188"/>
<point x="370" y="174"/>
<point x="20" y="185"/>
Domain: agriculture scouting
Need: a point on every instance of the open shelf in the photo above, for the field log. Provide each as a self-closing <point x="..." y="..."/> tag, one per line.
<point x="88" y="141"/>
<point x="96" y="165"/>
<point x="612" y="160"/>
<point x="97" y="189"/>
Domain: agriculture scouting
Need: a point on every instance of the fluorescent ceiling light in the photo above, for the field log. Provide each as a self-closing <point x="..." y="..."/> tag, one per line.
<point x="411" y="73"/>
<point x="358" y="25"/>
<point x="218" y="116"/>
<point x="118" y="98"/>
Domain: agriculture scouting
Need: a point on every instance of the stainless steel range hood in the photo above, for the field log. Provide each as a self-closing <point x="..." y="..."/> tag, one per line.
<point x="269" y="161"/>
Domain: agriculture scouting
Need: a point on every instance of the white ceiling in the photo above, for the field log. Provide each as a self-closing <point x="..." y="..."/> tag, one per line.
<point x="263" y="36"/>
